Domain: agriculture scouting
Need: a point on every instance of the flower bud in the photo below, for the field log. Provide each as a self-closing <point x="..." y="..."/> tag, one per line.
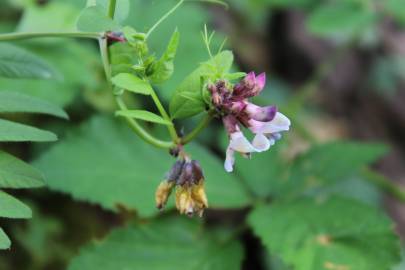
<point x="162" y="193"/>
<point x="184" y="202"/>
<point x="199" y="196"/>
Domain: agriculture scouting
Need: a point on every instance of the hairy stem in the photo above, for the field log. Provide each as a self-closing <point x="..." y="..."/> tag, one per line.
<point x="200" y="127"/>
<point x="20" y="36"/>
<point x="165" y="115"/>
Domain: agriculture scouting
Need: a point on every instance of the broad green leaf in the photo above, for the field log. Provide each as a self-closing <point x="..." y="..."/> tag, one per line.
<point x="181" y="105"/>
<point x="5" y="242"/>
<point x="164" y="244"/>
<point x="132" y="83"/>
<point x="128" y="170"/>
<point x="333" y="234"/>
<point x="16" y="102"/>
<point x="163" y="69"/>
<point x="15" y="132"/>
<point x="328" y="163"/>
<point x="95" y="19"/>
<point x="122" y="8"/>
<point x="144" y="115"/>
<point x="265" y="172"/>
<point x="13" y="208"/>
<point x="19" y="63"/>
<point x="340" y="19"/>
<point x="52" y="16"/>
<point x="15" y="173"/>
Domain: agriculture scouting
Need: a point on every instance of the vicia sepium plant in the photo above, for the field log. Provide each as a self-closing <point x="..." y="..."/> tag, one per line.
<point x="209" y="88"/>
<point x="131" y="68"/>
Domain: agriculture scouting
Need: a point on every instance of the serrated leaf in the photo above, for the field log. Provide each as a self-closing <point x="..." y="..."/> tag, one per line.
<point x="132" y="83"/>
<point x="144" y="115"/>
<point x="15" y="173"/>
<point x="164" y="67"/>
<point x="331" y="162"/>
<point x="11" y="102"/>
<point x="128" y="169"/>
<point x="340" y="19"/>
<point x="265" y="172"/>
<point x="94" y="19"/>
<point x="16" y="132"/>
<point x="13" y="208"/>
<point x="19" y="63"/>
<point x="180" y="106"/>
<point x="333" y="234"/>
<point x="164" y="244"/>
<point x="5" y="242"/>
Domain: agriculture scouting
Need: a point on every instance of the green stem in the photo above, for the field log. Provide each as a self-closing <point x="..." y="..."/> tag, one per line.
<point x="20" y="36"/>
<point x="203" y="124"/>
<point x="134" y="125"/>
<point x="385" y="184"/>
<point x="164" y="17"/>
<point x="165" y="115"/>
<point x="111" y="8"/>
<point x="141" y="132"/>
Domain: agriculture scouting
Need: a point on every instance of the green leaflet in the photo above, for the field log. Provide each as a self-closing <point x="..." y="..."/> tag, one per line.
<point x="309" y="235"/>
<point x="15" y="132"/>
<point x="13" y="208"/>
<point x="94" y="19"/>
<point x="132" y="83"/>
<point x="123" y="57"/>
<point x="11" y="102"/>
<point x="5" y="242"/>
<point x="187" y="99"/>
<point x="169" y="243"/>
<point x="144" y="115"/>
<point x="15" y="173"/>
<point x="163" y="69"/>
<point x="19" y="63"/>
<point x="128" y="170"/>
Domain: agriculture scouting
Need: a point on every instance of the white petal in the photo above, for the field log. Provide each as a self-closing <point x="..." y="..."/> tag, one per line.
<point x="240" y="144"/>
<point x="261" y="143"/>
<point x="229" y="160"/>
<point x="278" y="124"/>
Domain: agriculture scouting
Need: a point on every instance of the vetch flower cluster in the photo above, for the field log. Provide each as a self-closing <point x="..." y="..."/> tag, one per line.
<point x="235" y="109"/>
<point x="187" y="178"/>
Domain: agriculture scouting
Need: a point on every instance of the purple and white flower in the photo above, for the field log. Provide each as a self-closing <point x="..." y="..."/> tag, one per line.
<point x="233" y="105"/>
